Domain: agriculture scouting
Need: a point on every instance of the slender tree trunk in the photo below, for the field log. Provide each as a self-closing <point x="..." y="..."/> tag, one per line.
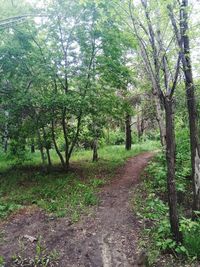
<point x="47" y="148"/>
<point x="32" y="145"/>
<point x="56" y="146"/>
<point x="108" y="136"/>
<point x="128" y="132"/>
<point x="170" y="158"/>
<point x="191" y="103"/>
<point x="140" y="127"/>
<point x="184" y="46"/>
<point x="40" y="145"/>
<point x="32" y="148"/>
<point x="95" y="150"/>
<point x="64" y="127"/>
<point x="160" y="119"/>
<point x="48" y="157"/>
<point x="5" y="138"/>
<point x="5" y="145"/>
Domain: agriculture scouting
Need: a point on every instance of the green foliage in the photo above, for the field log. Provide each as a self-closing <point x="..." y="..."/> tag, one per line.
<point x="61" y="193"/>
<point x="151" y="204"/>
<point x="116" y="137"/>
<point x="191" y="241"/>
<point x="41" y="258"/>
<point x="1" y="261"/>
<point x="6" y="209"/>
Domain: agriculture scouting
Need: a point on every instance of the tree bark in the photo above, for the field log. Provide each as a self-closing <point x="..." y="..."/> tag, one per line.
<point x="5" y="136"/>
<point x="128" y="132"/>
<point x="95" y="150"/>
<point x="64" y="127"/>
<point x="40" y="145"/>
<point x="32" y="148"/>
<point x="191" y="104"/>
<point x="56" y="146"/>
<point x="170" y="158"/>
<point x="160" y="119"/>
<point x="47" y="148"/>
<point x="184" y="46"/>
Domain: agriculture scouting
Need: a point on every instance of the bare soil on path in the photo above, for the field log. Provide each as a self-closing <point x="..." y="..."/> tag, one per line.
<point x="107" y="237"/>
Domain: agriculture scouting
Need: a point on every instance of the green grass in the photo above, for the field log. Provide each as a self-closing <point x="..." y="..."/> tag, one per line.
<point x="150" y="205"/>
<point x="57" y="192"/>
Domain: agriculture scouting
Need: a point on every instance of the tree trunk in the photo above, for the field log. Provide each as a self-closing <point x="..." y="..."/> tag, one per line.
<point x="170" y="158"/>
<point x="48" y="157"/>
<point x="128" y="132"/>
<point x="47" y="148"/>
<point x="5" y="138"/>
<point x="160" y="119"/>
<point x="41" y="148"/>
<point x="32" y="145"/>
<point x="64" y="127"/>
<point x="32" y="148"/>
<point x="5" y="144"/>
<point x="184" y="46"/>
<point x="191" y="103"/>
<point x="56" y="146"/>
<point x="95" y="150"/>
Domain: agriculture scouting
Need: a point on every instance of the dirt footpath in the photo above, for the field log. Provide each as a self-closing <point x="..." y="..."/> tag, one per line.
<point x="105" y="238"/>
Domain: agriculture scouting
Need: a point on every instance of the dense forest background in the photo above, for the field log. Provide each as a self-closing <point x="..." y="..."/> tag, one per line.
<point x="89" y="76"/>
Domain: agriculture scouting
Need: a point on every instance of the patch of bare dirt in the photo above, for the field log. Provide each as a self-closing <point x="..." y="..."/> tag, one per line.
<point x="105" y="238"/>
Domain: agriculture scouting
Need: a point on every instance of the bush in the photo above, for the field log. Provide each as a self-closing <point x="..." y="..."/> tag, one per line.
<point x="116" y="137"/>
<point x="191" y="240"/>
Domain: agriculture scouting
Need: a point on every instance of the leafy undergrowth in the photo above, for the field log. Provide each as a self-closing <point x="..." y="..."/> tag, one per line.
<point x="58" y="192"/>
<point x="150" y="203"/>
<point x="40" y="258"/>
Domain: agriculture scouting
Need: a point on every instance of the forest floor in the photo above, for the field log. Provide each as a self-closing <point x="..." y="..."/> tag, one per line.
<point x="107" y="236"/>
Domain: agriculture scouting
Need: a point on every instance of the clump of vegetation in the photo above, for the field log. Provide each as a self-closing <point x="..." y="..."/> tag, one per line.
<point x="152" y="208"/>
<point x="41" y="258"/>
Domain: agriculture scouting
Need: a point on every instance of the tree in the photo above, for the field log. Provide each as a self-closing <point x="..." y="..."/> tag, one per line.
<point x="157" y="59"/>
<point x="183" y="41"/>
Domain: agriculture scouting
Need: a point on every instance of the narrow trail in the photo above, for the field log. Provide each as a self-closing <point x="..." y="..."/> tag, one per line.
<point x="106" y="238"/>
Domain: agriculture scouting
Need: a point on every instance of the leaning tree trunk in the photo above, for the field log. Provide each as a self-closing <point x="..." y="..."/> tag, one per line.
<point x="191" y="103"/>
<point x="170" y="158"/>
<point x="128" y="132"/>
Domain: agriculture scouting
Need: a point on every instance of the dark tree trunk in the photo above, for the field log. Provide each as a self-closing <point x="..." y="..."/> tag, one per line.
<point x="64" y="127"/>
<point x="48" y="157"/>
<point x="184" y="45"/>
<point x="5" y="138"/>
<point x="95" y="150"/>
<point x="47" y="148"/>
<point x="108" y="136"/>
<point x="32" y="146"/>
<point x="56" y="146"/>
<point x="170" y="158"/>
<point x="128" y="132"/>
<point x="140" y="127"/>
<point x="160" y="119"/>
<point x="40" y="145"/>
<point x="5" y="145"/>
<point x="191" y="103"/>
